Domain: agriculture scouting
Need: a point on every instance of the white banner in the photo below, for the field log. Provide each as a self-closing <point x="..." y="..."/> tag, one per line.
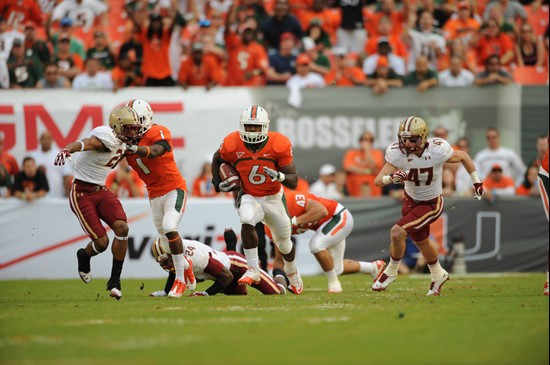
<point x="198" y="119"/>
<point x="39" y="240"/>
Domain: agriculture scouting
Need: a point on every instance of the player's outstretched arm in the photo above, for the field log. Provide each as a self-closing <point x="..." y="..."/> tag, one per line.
<point x="466" y="161"/>
<point x="287" y="175"/>
<point x="314" y="212"/>
<point x="86" y="144"/>
<point x="385" y="176"/>
<point x="153" y="151"/>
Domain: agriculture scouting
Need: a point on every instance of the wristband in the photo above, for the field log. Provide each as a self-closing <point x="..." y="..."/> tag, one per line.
<point x="148" y="151"/>
<point x="133" y="149"/>
<point x="386" y="180"/>
<point x="81" y="145"/>
<point x="281" y="177"/>
<point x="475" y="177"/>
<point x="294" y="221"/>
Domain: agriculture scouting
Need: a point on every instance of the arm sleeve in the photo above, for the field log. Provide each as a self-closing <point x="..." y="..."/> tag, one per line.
<point x="169" y="282"/>
<point x="162" y="137"/>
<point x="392" y="154"/>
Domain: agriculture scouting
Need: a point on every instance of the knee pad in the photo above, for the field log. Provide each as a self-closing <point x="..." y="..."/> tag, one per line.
<point x="316" y="245"/>
<point x="100" y="245"/>
<point x="284" y="246"/>
<point x="170" y="221"/>
<point x="249" y="214"/>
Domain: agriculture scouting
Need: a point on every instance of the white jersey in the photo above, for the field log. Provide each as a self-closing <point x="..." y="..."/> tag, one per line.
<point x="94" y="166"/>
<point x="200" y="254"/>
<point x="425" y="172"/>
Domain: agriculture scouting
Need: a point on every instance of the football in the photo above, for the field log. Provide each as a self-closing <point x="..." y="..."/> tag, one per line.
<point x="229" y="173"/>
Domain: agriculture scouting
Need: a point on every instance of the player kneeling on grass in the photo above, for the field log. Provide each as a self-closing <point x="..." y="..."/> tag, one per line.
<point x="332" y="223"/>
<point x="224" y="268"/>
<point x="417" y="162"/>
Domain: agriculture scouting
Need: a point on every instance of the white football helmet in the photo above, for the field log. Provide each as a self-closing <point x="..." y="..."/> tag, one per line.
<point x="144" y="112"/>
<point x="254" y="115"/>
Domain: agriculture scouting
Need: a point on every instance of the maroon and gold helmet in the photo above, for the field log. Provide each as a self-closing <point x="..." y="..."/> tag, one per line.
<point x="415" y="130"/>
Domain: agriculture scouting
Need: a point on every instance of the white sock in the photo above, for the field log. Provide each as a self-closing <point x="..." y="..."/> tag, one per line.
<point x="252" y="258"/>
<point x="290" y="267"/>
<point x="392" y="268"/>
<point x="436" y="270"/>
<point x="366" y="267"/>
<point x="178" y="266"/>
<point x="546" y="276"/>
<point x="331" y="275"/>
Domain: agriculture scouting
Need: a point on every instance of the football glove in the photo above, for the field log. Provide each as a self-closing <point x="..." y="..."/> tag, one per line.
<point x="158" y="293"/>
<point x="199" y="294"/>
<point x="399" y="177"/>
<point x="63" y="156"/>
<point x="273" y="174"/>
<point x="227" y="186"/>
<point x="478" y="190"/>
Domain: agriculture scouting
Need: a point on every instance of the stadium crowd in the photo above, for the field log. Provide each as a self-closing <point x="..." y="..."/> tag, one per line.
<point x="110" y="44"/>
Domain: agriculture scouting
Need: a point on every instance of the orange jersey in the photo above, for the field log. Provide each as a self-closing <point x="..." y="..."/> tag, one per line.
<point x="156" y="63"/>
<point x="296" y="204"/>
<point x="544" y="164"/>
<point x="275" y="152"/>
<point x="200" y="75"/>
<point x="161" y="175"/>
<point x="345" y="78"/>
<point x="243" y="60"/>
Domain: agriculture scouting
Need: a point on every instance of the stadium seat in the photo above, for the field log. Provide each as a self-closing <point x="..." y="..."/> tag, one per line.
<point x="530" y="76"/>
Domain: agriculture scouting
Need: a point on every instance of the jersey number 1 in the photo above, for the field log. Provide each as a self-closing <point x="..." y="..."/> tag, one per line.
<point x="142" y="166"/>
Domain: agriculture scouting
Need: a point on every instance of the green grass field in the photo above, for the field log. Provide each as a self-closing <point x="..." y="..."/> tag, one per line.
<point x="487" y="320"/>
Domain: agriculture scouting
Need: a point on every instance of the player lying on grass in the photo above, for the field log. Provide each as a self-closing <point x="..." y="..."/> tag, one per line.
<point x="332" y="223"/>
<point x="224" y="268"/>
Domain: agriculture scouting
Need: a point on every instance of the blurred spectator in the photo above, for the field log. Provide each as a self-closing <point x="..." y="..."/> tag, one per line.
<point x="281" y="22"/>
<point x="199" y="70"/>
<point x="65" y="31"/>
<point x="494" y="153"/>
<point x="362" y="165"/>
<point x="30" y="183"/>
<point x="395" y="17"/>
<point x="133" y="49"/>
<point x="422" y="77"/>
<point x="440" y="12"/>
<point x="448" y="179"/>
<point x="491" y="41"/>
<point x="35" y="46"/>
<point x="125" y="182"/>
<point x="325" y="186"/>
<point x="24" y="70"/>
<point x="345" y="73"/>
<point x="247" y="61"/>
<point x="383" y="77"/>
<point x="70" y="64"/>
<point x="455" y="75"/>
<point x="493" y="74"/>
<point x="304" y="77"/>
<point x="512" y="10"/>
<point x="7" y="160"/>
<point x="496" y="13"/>
<point x="395" y="62"/>
<point x="83" y="13"/>
<point x="5" y="182"/>
<point x="542" y="146"/>
<point x="124" y="73"/>
<point x="498" y="184"/>
<point x="318" y="35"/>
<point x="351" y="33"/>
<point x="282" y="63"/>
<point x="340" y="180"/>
<point x="18" y="12"/>
<point x="59" y="177"/>
<point x="466" y="55"/>
<point x="529" y="186"/>
<point x="92" y="78"/>
<point x="202" y="185"/>
<point x="155" y="38"/>
<point x="302" y="187"/>
<point x="463" y="181"/>
<point x="424" y="42"/>
<point x="327" y="18"/>
<point x="529" y="48"/>
<point x="321" y="63"/>
<point x="101" y="51"/>
<point x="385" y="34"/>
<point x="463" y="26"/>
<point x="6" y="41"/>
<point x="250" y="9"/>
<point x="52" y="79"/>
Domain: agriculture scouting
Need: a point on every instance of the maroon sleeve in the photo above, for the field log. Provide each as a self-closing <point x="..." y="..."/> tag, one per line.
<point x="214" y="268"/>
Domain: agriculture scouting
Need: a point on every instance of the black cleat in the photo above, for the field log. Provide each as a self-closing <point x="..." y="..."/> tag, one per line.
<point x="84" y="265"/>
<point x="113" y="285"/>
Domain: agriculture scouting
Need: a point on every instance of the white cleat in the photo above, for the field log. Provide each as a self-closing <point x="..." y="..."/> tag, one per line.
<point x="296" y="283"/>
<point x="116" y="293"/>
<point x="435" y="286"/>
<point x="250" y="277"/>
<point x="383" y="282"/>
<point x="158" y="293"/>
<point x="335" y="287"/>
<point x="379" y="267"/>
<point x="85" y="276"/>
